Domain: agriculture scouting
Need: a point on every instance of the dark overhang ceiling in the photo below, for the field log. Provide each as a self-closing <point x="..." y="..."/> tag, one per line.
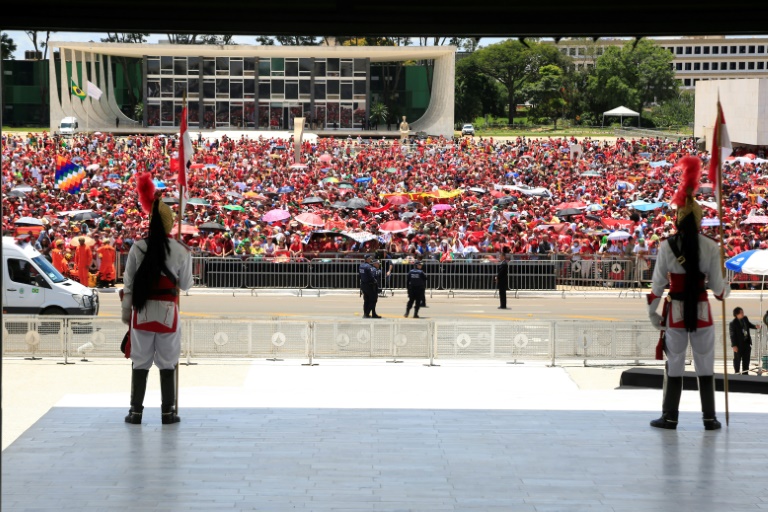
<point x="467" y="18"/>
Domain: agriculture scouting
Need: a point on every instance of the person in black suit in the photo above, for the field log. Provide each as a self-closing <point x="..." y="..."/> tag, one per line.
<point x="367" y="275"/>
<point x="417" y="285"/>
<point x="502" y="278"/>
<point x="741" y="341"/>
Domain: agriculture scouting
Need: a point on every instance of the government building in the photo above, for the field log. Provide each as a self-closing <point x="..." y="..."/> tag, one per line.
<point x="247" y="87"/>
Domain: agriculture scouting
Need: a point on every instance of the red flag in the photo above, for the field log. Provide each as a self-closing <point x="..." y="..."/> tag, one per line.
<point x="185" y="150"/>
<point x="721" y="149"/>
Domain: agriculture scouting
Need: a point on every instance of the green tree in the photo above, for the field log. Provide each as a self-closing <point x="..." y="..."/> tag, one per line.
<point x="199" y="39"/>
<point x="634" y="75"/>
<point x="288" y="40"/>
<point x="547" y="93"/>
<point x="476" y="94"/>
<point x="677" y="111"/>
<point x="8" y="46"/>
<point x="513" y="64"/>
<point x="379" y="113"/>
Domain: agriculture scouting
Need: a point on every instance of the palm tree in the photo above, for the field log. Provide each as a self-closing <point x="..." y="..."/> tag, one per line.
<point x="379" y="114"/>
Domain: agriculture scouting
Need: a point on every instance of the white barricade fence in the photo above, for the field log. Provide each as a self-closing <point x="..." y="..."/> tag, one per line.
<point x="367" y="339"/>
<point x="275" y="338"/>
<point x="493" y="340"/>
<point x="33" y="336"/>
<point x="627" y="342"/>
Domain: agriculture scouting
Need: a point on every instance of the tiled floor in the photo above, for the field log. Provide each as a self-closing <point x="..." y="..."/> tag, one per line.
<point x="533" y="447"/>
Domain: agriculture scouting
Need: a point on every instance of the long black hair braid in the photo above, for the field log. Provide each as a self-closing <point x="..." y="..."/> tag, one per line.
<point x="689" y="239"/>
<point x="148" y="273"/>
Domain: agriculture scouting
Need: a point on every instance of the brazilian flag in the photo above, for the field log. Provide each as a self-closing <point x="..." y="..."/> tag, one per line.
<point x="77" y="91"/>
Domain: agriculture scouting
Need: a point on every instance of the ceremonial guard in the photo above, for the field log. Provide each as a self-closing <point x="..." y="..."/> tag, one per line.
<point x="688" y="263"/>
<point x="417" y="286"/>
<point x="502" y="279"/>
<point x="157" y="268"/>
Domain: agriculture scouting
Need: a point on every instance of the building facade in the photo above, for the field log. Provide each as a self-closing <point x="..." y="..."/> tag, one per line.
<point x="244" y="87"/>
<point x="695" y="58"/>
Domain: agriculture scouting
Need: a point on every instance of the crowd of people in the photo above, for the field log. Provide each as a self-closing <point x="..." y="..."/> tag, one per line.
<point x="449" y="199"/>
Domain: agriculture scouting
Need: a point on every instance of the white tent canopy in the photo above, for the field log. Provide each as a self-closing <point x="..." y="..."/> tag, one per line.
<point x="621" y="112"/>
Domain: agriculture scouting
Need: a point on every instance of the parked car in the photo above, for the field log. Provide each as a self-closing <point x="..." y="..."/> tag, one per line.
<point x="468" y="129"/>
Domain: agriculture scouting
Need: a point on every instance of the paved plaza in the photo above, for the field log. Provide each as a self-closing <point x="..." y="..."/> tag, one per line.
<point x="370" y="435"/>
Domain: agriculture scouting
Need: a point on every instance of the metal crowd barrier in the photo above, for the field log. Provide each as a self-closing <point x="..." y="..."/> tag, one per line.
<point x="589" y="343"/>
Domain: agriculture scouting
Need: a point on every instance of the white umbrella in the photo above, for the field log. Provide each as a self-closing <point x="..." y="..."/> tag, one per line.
<point x="619" y="235"/>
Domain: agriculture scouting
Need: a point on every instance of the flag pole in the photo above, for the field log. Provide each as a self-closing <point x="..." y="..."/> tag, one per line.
<point x="182" y="168"/>
<point x="715" y="154"/>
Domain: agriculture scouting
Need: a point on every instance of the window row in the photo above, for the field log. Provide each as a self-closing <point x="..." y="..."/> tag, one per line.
<point x="276" y="89"/>
<point x="734" y="49"/>
<point x="211" y="66"/>
<point x="267" y="115"/>
<point x="721" y="66"/>
<point x="304" y="67"/>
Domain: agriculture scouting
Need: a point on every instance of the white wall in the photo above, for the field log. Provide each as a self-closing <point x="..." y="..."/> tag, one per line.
<point x="745" y="108"/>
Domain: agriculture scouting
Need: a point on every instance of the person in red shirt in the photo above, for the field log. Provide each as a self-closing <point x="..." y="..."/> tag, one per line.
<point x="107" y="263"/>
<point x="83" y="259"/>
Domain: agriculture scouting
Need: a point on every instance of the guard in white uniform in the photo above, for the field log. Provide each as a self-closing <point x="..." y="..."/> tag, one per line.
<point x="158" y="268"/>
<point x="688" y="263"/>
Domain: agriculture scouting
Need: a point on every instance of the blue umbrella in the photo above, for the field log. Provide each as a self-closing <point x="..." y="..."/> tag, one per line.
<point x="749" y="262"/>
<point x="158" y="184"/>
<point x="363" y="179"/>
<point x="645" y="154"/>
<point x="113" y="176"/>
<point x="643" y="206"/>
<point x="285" y="190"/>
<point x="594" y="207"/>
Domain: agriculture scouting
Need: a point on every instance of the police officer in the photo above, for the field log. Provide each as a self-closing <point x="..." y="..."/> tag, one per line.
<point x="367" y="275"/>
<point x="417" y="285"/>
<point x="502" y="275"/>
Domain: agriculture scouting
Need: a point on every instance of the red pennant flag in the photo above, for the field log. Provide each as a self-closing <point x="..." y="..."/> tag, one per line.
<point x="721" y="149"/>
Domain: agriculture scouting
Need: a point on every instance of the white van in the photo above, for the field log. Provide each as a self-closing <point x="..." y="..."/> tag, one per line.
<point x="32" y="286"/>
<point x="68" y="126"/>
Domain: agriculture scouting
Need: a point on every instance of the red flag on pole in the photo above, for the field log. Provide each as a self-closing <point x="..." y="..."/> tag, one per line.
<point x="721" y="149"/>
<point x="185" y="150"/>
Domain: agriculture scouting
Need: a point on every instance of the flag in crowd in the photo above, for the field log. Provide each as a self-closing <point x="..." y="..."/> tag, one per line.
<point x="185" y="158"/>
<point x="93" y="91"/>
<point x="69" y="177"/>
<point x="76" y="90"/>
<point x="721" y="149"/>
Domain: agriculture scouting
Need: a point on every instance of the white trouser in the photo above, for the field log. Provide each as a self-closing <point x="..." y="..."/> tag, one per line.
<point x="162" y="348"/>
<point x="703" y="347"/>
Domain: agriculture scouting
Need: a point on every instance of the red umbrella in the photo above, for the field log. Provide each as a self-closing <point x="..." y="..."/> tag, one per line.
<point x="398" y="199"/>
<point x="186" y="229"/>
<point x="497" y="194"/>
<point x="325" y="158"/>
<point x="310" y="219"/>
<point x="394" y="226"/>
<point x="575" y="204"/>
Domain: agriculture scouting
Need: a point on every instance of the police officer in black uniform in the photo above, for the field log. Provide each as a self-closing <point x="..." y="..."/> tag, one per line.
<point x="502" y="279"/>
<point x="417" y="285"/>
<point x="368" y="286"/>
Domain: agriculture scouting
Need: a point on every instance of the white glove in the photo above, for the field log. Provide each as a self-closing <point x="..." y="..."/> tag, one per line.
<point x="726" y="293"/>
<point x="653" y="306"/>
<point x="126" y="309"/>
<point x="656" y="321"/>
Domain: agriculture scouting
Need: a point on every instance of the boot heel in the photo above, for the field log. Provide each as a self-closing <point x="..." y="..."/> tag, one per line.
<point x="133" y="418"/>
<point x="169" y="418"/>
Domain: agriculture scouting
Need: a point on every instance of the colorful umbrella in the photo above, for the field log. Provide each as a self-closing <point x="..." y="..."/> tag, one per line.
<point x="310" y="219"/>
<point x="399" y="199"/>
<point x="394" y="226"/>
<point x="749" y="262"/>
<point x="441" y="207"/>
<point x="186" y="229"/>
<point x="331" y="179"/>
<point x="234" y="207"/>
<point x="325" y="157"/>
<point x="276" y="215"/>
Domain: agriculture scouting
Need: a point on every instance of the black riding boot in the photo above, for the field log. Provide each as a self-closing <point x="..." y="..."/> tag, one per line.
<point x="168" y="395"/>
<point x="416" y="311"/>
<point x="673" y="388"/>
<point x="138" y="390"/>
<point x="407" y="312"/>
<point x="707" y="394"/>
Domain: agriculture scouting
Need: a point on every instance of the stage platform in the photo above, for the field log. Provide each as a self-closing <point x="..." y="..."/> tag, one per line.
<point x="372" y="436"/>
<point x="654" y="378"/>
